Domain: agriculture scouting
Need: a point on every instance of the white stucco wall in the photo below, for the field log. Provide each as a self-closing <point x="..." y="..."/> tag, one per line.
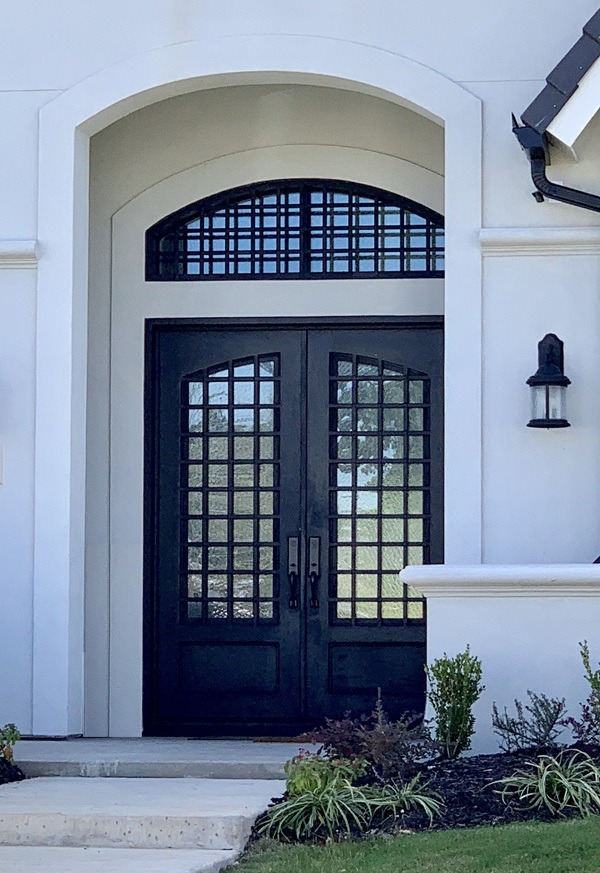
<point x="496" y="55"/>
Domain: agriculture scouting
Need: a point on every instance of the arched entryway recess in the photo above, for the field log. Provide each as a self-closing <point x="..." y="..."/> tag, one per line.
<point x="66" y="125"/>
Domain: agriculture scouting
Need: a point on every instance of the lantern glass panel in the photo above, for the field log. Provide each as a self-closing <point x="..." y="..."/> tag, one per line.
<point x="557" y="396"/>
<point x="538" y="402"/>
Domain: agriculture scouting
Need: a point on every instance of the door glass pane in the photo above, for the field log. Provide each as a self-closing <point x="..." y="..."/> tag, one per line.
<point x="230" y="577"/>
<point x="379" y="501"/>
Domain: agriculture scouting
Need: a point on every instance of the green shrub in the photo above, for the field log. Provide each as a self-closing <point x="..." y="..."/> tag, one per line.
<point x="310" y="772"/>
<point x="593" y="676"/>
<point x="569" y="781"/>
<point x="586" y="728"/>
<point x="395" y="747"/>
<point x="339" y="809"/>
<point x="454" y="686"/>
<point x="397" y="798"/>
<point x="536" y="725"/>
<point x="9" y="735"/>
<point x="391" y="747"/>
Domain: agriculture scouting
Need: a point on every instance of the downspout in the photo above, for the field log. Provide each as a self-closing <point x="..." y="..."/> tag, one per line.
<point x="535" y="146"/>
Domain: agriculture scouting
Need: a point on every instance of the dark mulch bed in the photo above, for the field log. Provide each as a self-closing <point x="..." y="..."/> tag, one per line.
<point x="10" y="772"/>
<point x="469" y="798"/>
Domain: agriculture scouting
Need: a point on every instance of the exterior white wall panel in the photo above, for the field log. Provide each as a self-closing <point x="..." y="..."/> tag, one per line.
<point x="539" y="494"/>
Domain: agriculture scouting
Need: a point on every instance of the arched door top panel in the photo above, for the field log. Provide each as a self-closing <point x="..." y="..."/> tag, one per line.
<point x="297" y="229"/>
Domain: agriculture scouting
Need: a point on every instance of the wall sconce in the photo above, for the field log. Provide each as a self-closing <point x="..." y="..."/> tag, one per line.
<point x="549" y="385"/>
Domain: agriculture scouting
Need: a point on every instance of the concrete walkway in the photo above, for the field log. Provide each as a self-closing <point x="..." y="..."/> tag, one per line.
<point x="51" y="860"/>
<point x="155" y="757"/>
<point x="146" y="821"/>
<point x="132" y="813"/>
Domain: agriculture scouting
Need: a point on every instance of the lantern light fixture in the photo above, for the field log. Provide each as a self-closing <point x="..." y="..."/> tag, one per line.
<point x="549" y="385"/>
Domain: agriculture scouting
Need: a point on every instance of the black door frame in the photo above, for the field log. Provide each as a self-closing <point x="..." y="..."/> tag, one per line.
<point x="153" y="328"/>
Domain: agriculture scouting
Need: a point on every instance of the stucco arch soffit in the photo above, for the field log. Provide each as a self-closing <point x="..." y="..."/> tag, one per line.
<point x="288" y="161"/>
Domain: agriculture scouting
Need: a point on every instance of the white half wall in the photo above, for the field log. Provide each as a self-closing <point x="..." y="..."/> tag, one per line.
<point x="524" y="622"/>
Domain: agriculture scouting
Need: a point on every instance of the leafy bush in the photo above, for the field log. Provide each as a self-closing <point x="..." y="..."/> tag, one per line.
<point x="454" y="686"/>
<point x="390" y="747"/>
<point x="586" y="729"/>
<point x="309" y="772"/>
<point x="395" y="748"/>
<point x="536" y="725"/>
<point x="339" y="737"/>
<point x="338" y="809"/>
<point x="571" y="780"/>
<point x="9" y="735"/>
<point x="397" y="798"/>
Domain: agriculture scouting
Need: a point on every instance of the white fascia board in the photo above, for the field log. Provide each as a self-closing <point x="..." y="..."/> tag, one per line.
<point x="504" y="580"/>
<point x="579" y="110"/>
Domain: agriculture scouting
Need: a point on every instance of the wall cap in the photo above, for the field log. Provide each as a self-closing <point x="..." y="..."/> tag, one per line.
<point x="505" y="580"/>
<point x="18" y="254"/>
<point x="502" y="242"/>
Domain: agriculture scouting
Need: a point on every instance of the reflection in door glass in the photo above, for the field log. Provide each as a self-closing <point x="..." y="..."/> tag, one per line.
<point x="379" y="502"/>
<point x="230" y="492"/>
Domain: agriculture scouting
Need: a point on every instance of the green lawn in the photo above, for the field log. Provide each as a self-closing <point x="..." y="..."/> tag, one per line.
<point x="565" y="847"/>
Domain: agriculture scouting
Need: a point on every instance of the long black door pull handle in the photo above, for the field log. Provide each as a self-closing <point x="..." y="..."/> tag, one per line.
<point x="293" y="571"/>
<point x="314" y="569"/>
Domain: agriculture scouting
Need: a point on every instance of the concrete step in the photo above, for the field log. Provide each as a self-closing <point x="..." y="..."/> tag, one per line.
<point x="132" y="813"/>
<point x="155" y="758"/>
<point x="44" y="859"/>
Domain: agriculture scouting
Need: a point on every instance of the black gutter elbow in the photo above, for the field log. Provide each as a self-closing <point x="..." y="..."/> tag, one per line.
<point x="535" y="146"/>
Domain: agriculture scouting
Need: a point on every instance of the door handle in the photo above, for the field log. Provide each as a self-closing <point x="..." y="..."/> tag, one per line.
<point x="314" y="569"/>
<point x="293" y="571"/>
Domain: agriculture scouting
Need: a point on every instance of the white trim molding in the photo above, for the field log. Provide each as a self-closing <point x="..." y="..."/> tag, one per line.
<point x="505" y="580"/>
<point x="502" y="242"/>
<point x="18" y="254"/>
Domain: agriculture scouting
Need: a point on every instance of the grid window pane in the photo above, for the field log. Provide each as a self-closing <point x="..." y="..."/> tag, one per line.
<point x="232" y="499"/>
<point x="297" y="229"/>
<point x="378" y="493"/>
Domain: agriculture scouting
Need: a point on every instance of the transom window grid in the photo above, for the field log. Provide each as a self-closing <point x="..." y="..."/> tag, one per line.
<point x="297" y="229"/>
<point x="379" y="478"/>
<point x="230" y="492"/>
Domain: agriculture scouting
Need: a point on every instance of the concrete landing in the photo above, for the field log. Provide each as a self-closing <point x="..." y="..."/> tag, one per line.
<point x="50" y="860"/>
<point x="132" y="813"/>
<point x="152" y="757"/>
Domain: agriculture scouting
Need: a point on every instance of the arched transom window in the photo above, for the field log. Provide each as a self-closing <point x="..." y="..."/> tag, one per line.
<point x="294" y="229"/>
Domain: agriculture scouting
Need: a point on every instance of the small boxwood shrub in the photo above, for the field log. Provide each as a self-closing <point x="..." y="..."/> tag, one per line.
<point x="454" y="686"/>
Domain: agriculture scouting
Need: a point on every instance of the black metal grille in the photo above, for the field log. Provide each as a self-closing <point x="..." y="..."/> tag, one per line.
<point x="230" y="492"/>
<point x="379" y="488"/>
<point x="297" y="229"/>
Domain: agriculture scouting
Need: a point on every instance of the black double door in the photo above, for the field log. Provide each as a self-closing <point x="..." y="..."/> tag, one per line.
<point x="291" y="473"/>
